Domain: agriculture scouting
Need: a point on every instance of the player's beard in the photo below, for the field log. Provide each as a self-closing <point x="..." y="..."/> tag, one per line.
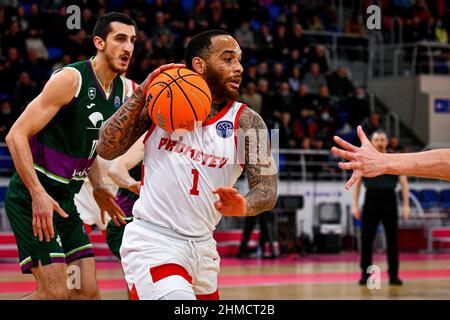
<point x="110" y="61"/>
<point x="218" y="85"/>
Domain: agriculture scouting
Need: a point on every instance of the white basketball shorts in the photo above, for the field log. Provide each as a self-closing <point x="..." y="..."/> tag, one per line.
<point x="157" y="261"/>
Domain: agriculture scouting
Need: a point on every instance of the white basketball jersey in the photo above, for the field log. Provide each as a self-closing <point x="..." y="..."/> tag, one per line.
<point x="181" y="170"/>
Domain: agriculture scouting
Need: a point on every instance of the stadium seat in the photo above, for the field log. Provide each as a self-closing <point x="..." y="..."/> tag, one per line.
<point x="54" y="53"/>
<point x="444" y="196"/>
<point x="430" y="198"/>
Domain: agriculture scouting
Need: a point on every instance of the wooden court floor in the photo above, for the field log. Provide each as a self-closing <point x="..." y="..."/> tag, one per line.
<point x="426" y="276"/>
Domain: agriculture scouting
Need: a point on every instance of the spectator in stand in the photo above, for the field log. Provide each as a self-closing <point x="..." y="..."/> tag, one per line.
<point x="245" y="37"/>
<point x="26" y="91"/>
<point x="440" y="33"/>
<point x="160" y="27"/>
<point x="264" y="41"/>
<point x="13" y="67"/>
<point x="340" y="84"/>
<point x="36" y="18"/>
<point x="65" y="60"/>
<point x="281" y="42"/>
<point x="267" y="101"/>
<point x="395" y="146"/>
<point x="371" y="124"/>
<point x="358" y="107"/>
<point x="14" y="37"/>
<point x="278" y="76"/>
<point x="163" y="46"/>
<point x="314" y="79"/>
<point x="305" y="125"/>
<point x="302" y="99"/>
<point x="263" y="70"/>
<point x="36" y="68"/>
<point x="250" y="75"/>
<point x="298" y="40"/>
<point x="286" y="132"/>
<point x="318" y="55"/>
<point x="295" y="79"/>
<point x="296" y="60"/>
<point x="200" y="14"/>
<point x="252" y="98"/>
<point x="326" y="114"/>
<point x="283" y="98"/>
<point x="7" y="118"/>
<point x="218" y="21"/>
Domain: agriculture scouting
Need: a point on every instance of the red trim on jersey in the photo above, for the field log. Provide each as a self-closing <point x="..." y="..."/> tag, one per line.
<point x="209" y="296"/>
<point x="236" y="127"/>
<point x="169" y="269"/>
<point x="133" y="85"/>
<point x="149" y="132"/>
<point x="133" y="293"/>
<point x="142" y="174"/>
<point x="220" y="114"/>
<point x="88" y="229"/>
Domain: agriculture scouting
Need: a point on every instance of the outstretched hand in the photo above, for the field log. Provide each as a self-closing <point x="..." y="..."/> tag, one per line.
<point x="365" y="161"/>
<point x="230" y="202"/>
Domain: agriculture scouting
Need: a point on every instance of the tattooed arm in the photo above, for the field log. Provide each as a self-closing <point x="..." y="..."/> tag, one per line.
<point x="259" y="165"/>
<point x="122" y="130"/>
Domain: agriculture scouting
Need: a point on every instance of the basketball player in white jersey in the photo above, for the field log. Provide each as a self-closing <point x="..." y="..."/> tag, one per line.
<point x="168" y="251"/>
<point x="85" y="202"/>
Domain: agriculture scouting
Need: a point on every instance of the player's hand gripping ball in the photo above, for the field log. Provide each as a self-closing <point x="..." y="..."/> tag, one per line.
<point x="177" y="98"/>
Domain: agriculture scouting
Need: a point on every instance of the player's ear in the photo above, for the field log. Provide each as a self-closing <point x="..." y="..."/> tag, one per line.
<point x="198" y="65"/>
<point x="99" y="43"/>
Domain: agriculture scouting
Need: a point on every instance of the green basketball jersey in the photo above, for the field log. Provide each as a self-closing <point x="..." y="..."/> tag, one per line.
<point x="63" y="152"/>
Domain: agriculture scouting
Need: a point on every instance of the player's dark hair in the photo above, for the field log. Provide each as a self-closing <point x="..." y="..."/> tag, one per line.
<point x="103" y="24"/>
<point x="200" y="44"/>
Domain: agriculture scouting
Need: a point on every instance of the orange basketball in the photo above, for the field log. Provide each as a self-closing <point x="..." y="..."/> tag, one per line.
<point x="177" y="98"/>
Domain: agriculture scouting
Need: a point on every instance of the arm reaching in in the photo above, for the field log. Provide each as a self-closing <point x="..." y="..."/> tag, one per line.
<point x="129" y="122"/>
<point x="259" y="166"/>
<point x="106" y="200"/>
<point x="366" y="161"/>
<point x="119" y="170"/>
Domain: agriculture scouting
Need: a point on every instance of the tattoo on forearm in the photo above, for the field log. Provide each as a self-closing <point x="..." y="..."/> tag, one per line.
<point x="119" y="133"/>
<point x="263" y="185"/>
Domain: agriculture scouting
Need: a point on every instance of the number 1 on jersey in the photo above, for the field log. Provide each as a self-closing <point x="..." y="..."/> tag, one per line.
<point x="194" y="191"/>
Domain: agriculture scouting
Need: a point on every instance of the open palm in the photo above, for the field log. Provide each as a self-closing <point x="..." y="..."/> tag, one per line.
<point x="365" y="161"/>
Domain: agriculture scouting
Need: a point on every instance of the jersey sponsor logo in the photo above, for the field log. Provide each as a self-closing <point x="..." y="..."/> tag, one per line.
<point x="116" y="102"/>
<point x="197" y="155"/>
<point x="95" y="118"/>
<point x="224" y="129"/>
<point x="90" y="105"/>
<point x="92" y="92"/>
<point x="58" y="240"/>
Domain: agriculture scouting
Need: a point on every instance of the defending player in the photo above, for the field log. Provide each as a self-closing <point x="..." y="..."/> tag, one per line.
<point x="366" y="161"/>
<point x="125" y="171"/>
<point x="168" y="251"/>
<point x="86" y="205"/>
<point x="53" y="148"/>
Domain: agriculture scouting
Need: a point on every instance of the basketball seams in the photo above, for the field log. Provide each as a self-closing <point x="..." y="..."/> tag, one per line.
<point x="178" y="71"/>
<point x="184" y="93"/>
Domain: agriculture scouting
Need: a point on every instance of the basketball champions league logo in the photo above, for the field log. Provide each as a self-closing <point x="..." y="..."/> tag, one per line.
<point x="224" y="129"/>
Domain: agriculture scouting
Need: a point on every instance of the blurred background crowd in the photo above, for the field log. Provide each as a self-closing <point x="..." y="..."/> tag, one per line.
<point x="288" y="76"/>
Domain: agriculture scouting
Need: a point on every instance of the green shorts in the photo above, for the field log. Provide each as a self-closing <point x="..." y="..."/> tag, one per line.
<point x="114" y="235"/>
<point x="70" y="242"/>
